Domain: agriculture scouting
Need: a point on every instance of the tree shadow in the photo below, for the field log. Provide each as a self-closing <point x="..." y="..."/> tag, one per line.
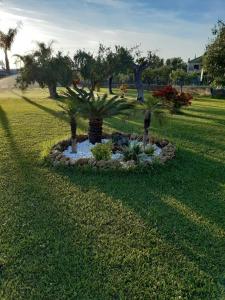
<point x="66" y="244"/>
<point x="47" y="245"/>
<point x="215" y="120"/>
<point x="182" y="201"/>
<point x="57" y="114"/>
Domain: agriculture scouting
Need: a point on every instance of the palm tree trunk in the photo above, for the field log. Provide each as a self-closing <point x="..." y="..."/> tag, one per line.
<point x="52" y="91"/>
<point x="139" y="84"/>
<point x="7" y="61"/>
<point x="147" y="124"/>
<point x="110" y="84"/>
<point x="95" y="130"/>
<point x="73" y="128"/>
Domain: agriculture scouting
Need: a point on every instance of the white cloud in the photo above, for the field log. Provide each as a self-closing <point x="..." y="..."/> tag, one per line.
<point x="153" y="29"/>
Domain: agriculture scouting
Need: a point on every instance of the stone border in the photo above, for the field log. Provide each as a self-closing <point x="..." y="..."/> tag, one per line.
<point x="57" y="158"/>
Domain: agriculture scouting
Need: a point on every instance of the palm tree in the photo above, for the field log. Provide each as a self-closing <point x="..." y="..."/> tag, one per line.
<point x="152" y="108"/>
<point x="71" y="109"/>
<point x="6" y="41"/>
<point x="73" y="106"/>
<point x="97" y="108"/>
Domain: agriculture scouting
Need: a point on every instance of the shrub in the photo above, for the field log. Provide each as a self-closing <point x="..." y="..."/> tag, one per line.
<point x="173" y="99"/>
<point x="149" y="150"/>
<point x="123" y="90"/>
<point x="132" y="151"/>
<point x="102" y="151"/>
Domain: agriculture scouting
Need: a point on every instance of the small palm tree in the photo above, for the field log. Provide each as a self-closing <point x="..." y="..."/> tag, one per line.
<point x="6" y="41"/>
<point x="97" y="108"/>
<point x="71" y="109"/>
<point x="152" y="108"/>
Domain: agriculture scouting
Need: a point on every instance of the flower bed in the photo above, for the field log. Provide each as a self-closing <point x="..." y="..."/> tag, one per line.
<point x="120" y="158"/>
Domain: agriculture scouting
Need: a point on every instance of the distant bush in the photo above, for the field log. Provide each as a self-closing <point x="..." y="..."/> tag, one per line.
<point x="102" y="151"/>
<point x="123" y="90"/>
<point x="174" y="100"/>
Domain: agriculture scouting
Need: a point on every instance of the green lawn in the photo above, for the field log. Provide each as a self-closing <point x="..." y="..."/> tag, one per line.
<point x="68" y="234"/>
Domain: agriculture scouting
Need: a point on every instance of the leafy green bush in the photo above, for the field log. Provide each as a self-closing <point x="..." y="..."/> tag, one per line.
<point x="102" y="151"/>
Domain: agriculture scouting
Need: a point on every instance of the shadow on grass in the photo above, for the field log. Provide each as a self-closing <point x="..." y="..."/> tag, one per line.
<point x="58" y="114"/>
<point x="195" y="116"/>
<point x="182" y="201"/>
<point x="66" y="240"/>
<point x="43" y="242"/>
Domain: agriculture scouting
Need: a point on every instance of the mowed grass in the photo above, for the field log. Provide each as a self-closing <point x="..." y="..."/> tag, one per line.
<point x="67" y="234"/>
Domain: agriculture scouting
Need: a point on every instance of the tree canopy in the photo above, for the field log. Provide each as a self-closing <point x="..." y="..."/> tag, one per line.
<point x="45" y="68"/>
<point x="6" y="41"/>
<point x="214" y="59"/>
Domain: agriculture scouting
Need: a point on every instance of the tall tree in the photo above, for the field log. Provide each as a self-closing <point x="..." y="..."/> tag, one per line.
<point x="176" y="63"/>
<point x="117" y="61"/>
<point x="214" y="59"/>
<point x="179" y="77"/>
<point x="45" y="68"/>
<point x="6" y="41"/>
<point x="159" y="75"/>
<point x="140" y="64"/>
<point x="90" y="67"/>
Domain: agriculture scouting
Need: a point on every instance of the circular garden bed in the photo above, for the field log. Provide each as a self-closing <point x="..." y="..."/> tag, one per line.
<point x="126" y="152"/>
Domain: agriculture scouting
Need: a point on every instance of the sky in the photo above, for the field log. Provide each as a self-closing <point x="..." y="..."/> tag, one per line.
<point x="169" y="27"/>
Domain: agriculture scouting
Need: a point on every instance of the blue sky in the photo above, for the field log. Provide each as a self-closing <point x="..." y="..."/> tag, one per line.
<point x="172" y="28"/>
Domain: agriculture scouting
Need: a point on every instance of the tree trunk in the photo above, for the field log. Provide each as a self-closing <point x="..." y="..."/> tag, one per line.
<point x="147" y="124"/>
<point x="139" y="84"/>
<point x="52" y="91"/>
<point x="95" y="130"/>
<point x="110" y="84"/>
<point x="93" y="85"/>
<point x="181" y="88"/>
<point x="7" y="61"/>
<point x="73" y="128"/>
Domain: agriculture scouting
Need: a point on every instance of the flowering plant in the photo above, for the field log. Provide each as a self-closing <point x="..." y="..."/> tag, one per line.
<point x="173" y="98"/>
<point x="123" y="90"/>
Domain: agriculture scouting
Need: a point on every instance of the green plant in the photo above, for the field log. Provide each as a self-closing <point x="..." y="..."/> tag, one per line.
<point x="123" y="90"/>
<point x="102" y="151"/>
<point x="6" y="41"/>
<point x="152" y="108"/>
<point x="96" y="108"/>
<point x="149" y="150"/>
<point x="71" y="108"/>
<point x="132" y="151"/>
<point x="172" y="99"/>
<point x="45" y="68"/>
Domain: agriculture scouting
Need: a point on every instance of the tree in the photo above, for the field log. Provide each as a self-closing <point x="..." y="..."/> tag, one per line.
<point x="159" y="75"/>
<point x="117" y="62"/>
<point x="214" y="58"/>
<point x="179" y="77"/>
<point x="141" y="63"/>
<point x="2" y="65"/>
<point x="43" y="67"/>
<point x="6" y="41"/>
<point x="152" y="108"/>
<point x="90" y="68"/>
<point x="72" y="107"/>
<point x="97" y="108"/>
<point x="176" y="63"/>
